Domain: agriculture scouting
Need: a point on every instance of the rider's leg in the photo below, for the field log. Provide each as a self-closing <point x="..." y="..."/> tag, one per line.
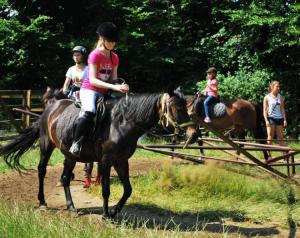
<point x="85" y="120"/>
<point x="84" y="123"/>
<point x="88" y="174"/>
<point x="206" y="103"/>
<point x="98" y="176"/>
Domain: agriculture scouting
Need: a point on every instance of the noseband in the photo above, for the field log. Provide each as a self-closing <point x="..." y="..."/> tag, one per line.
<point x="165" y="119"/>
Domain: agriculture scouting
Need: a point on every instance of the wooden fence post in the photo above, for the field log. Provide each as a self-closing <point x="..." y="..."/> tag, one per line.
<point x="27" y="108"/>
<point x="10" y="115"/>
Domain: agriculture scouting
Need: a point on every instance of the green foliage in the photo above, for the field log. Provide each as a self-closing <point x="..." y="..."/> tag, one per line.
<point x="27" y="63"/>
<point x="247" y="85"/>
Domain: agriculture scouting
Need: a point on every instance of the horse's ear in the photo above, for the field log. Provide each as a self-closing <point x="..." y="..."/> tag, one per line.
<point x="178" y="89"/>
<point x="179" y="93"/>
<point x="49" y="89"/>
<point x="170" y="90"/>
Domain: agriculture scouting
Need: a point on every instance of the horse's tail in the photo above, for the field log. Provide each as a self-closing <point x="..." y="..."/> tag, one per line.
<point x="13" y="151"/>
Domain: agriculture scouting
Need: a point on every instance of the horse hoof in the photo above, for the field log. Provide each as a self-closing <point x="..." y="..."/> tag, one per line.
<point x="76" y="214"/>
<point x="107" y="217"/>
<point x="113" y="212"/>
<point x="43" y="207"/>
<point x="59" y="184"/>
<point x="72" y="209"/>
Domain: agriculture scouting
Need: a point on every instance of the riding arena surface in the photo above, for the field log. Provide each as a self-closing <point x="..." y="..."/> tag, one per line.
<point x="27" y="185"/>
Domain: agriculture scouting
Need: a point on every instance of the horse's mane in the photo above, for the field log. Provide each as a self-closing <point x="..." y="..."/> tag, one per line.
<point x="138" y="107"/>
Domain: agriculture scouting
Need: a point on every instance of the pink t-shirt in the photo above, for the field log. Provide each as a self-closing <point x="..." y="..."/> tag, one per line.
<point x="105" y="65"/>
<point x="210" y="91"/>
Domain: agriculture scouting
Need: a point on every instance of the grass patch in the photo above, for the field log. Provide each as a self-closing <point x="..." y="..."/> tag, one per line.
<point x="19" y="220"/>
<point x="211" y="193"/>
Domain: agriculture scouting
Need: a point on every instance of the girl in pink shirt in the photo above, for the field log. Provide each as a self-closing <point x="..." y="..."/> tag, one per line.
<point x="102" y="69"/>
<point x="211" y="91"/>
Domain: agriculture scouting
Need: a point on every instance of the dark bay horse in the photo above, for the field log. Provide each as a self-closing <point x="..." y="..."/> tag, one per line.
<point x="112" y="142"/>
<point x="240" y="115"/>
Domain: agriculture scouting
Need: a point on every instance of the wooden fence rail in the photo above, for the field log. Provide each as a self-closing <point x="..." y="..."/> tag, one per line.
<point x="29" y="100"/>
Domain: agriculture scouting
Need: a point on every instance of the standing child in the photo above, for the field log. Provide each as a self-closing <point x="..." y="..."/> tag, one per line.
<point x="211" y="91"/>
<point x="102" y="66"/>
<point x="76" y="73"/>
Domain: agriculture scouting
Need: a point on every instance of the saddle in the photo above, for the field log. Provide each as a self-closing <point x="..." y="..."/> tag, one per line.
<point x="67" y="124"/>
<point x="216" y="109"/>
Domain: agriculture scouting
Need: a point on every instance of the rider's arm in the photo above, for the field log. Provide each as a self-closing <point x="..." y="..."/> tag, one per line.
<point x="266" y="109"/>
<point x="114" y="73"/>
<point x="213" y="85"/>
<point x="67" y="83"/>
<point x="283" y="110"/>
<point x="68" y="80"/>
<point x="101" y="84"/>
<point x="66" y="86"/>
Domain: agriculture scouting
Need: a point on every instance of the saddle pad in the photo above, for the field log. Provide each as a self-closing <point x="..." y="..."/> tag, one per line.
<point x="217" y="110"/>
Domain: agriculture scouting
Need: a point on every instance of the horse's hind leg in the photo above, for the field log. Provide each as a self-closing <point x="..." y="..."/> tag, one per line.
<point x="66" y="178"/>
<point x="123" y="173"/>
<point x="46" y="149"/>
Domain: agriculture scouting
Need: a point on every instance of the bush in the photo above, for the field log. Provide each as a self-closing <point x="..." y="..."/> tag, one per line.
<point x="246" y="85"/>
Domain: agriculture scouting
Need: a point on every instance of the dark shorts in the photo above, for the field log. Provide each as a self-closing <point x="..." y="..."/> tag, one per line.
<point x="275" y="121"/>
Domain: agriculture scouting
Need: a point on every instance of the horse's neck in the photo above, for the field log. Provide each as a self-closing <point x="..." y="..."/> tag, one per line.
<point x="136" y="117"/>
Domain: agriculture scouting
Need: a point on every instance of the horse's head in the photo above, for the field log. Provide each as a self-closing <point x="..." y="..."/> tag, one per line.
<point x="197" y="108"/>
<point x="52" y="95"/>
<point x="194" y="106"/>
<point x="173" y="113"/>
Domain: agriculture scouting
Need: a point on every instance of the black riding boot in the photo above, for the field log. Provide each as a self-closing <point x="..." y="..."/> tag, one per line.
<point x="83" y="127"/>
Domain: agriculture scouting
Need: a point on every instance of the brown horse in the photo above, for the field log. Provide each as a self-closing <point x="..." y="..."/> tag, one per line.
<point x="112" y="142"/>
<point x="239" y="114"/>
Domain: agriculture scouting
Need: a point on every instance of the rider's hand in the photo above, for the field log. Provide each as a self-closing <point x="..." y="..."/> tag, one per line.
<point x="66" y="91"/>
<point x="285" y="123"/>
<point x="267" y="124"/>
<point x="123" y="88"/>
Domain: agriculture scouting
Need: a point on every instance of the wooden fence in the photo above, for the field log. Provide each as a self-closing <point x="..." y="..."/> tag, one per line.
<point x="28" y="100"/>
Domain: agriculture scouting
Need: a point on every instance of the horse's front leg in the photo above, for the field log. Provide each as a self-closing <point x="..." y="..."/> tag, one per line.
<point x="123" y="173"/>
<point x="66" y="178"/>
<point x="199" y="140"/>
<point x="105" y="168"/>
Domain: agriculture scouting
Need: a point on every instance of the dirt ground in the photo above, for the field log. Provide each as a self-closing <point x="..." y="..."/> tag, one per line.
<point x="24" y="188"/>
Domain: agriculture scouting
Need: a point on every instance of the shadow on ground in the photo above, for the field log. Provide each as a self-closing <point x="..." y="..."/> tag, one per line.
<point x="151" y="216"/>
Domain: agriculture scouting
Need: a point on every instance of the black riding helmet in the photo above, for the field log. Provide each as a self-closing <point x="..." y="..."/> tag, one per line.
<point x="79" y="49"/>
<point x="109" y="31"/>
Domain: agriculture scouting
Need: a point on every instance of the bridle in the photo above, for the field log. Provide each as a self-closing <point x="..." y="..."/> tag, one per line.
<point x="165" y="119"/>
